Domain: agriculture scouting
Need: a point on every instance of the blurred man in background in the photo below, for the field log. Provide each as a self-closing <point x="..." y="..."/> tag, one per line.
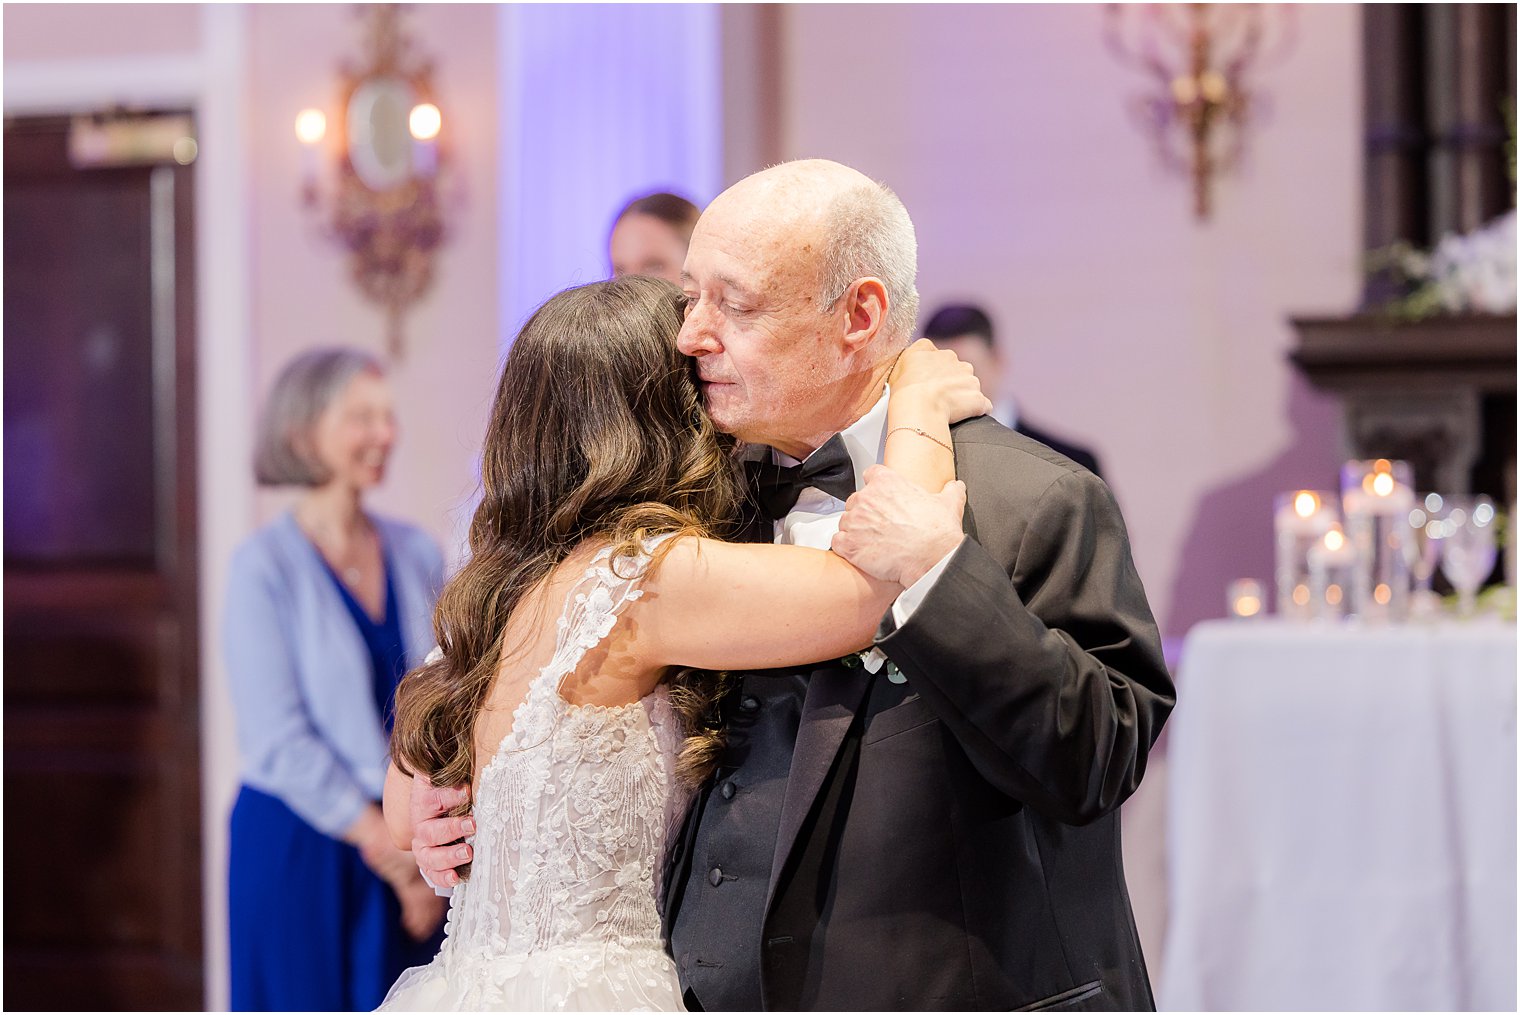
<point x="966" y="330"/>
<point x="650" y="234"/>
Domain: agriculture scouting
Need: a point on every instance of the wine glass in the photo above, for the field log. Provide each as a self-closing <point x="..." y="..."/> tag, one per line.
<point x="1427" y="520"/>
<point x="1468" y="549"/>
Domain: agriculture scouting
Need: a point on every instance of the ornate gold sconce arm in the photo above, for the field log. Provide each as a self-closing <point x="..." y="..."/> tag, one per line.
<point x="384" y="208"/>
<point x="1198" y="59"/>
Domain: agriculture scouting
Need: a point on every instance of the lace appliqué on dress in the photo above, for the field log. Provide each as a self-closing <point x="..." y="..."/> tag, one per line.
<point x="572" y="814"/>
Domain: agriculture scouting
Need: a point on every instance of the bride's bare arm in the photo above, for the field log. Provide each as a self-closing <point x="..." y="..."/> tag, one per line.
<point x="719" y="605"/>
<point x="395" y="803"/>
<point x="931" y="388"/>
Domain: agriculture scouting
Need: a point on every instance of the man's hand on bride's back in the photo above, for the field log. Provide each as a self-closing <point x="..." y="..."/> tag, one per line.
<point x="436" y="837"/>
<point x="939" y="375"/>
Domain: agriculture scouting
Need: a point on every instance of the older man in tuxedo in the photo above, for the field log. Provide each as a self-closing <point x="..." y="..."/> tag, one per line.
<point x="940" y="832"/>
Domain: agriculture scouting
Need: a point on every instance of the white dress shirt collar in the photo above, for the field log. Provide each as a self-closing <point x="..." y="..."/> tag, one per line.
<point x="814" y="519"/>
<point x="865" y="439"/>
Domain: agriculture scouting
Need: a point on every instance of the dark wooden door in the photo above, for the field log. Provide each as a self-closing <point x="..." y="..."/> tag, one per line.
<point x="102" y="798"/>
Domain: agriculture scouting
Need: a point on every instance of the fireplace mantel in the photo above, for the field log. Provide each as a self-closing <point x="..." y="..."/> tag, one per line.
<point x="1370" y="350"/>
<point x="1439" y="393"/>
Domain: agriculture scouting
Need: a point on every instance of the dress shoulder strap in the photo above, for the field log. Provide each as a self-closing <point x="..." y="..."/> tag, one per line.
<point x="594" y="603"/>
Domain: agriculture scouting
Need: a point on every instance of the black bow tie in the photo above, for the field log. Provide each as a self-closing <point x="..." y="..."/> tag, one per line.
<point x="777" y="487"/>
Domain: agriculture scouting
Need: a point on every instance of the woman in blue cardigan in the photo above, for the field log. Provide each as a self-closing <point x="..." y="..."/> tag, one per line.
<point x="327" y="608"/>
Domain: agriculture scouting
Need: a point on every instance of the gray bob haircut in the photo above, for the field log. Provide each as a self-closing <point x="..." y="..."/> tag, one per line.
<point x="870" y="235"/>
<point x="302" y="392"/>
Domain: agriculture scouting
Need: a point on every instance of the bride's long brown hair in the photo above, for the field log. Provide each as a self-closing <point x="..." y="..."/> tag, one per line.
<point x="597" y="432"/>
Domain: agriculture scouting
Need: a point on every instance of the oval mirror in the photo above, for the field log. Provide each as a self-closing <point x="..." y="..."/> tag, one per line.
<point x="379" y="141"/>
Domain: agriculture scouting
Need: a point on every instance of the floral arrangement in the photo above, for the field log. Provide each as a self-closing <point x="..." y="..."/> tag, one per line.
<point x="1470" y="273"/>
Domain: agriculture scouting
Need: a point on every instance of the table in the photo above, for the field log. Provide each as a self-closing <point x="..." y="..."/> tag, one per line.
<point x="1341" y="818"/>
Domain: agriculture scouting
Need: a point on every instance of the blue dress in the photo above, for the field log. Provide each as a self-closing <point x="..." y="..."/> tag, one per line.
<point x="312" y="927"/>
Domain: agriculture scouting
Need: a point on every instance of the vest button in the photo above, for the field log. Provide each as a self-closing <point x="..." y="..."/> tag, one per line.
<point x="727" y="791"/>
<point x="749" y="703"/>
<point x="715" y="877"/>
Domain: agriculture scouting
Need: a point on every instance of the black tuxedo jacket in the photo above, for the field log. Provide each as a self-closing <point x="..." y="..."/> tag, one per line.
<point x="952" y="842"/>
<point x="1082" y="456"/>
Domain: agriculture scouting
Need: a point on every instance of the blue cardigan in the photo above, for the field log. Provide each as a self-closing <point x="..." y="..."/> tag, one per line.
<point x="309" y="731"/>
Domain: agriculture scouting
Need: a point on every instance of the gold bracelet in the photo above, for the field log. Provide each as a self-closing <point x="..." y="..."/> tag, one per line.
<point x="921" y="433"/>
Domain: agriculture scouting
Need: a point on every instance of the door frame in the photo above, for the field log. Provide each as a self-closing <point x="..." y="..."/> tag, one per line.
<point x="210" y="82"/>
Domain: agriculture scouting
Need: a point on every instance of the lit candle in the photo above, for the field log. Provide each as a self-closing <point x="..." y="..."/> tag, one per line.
<point x="1245" y="598"/>
<point x="1378" y="493"/>
<point x="1333" y="550"/>
<point x="1304" y="512"/>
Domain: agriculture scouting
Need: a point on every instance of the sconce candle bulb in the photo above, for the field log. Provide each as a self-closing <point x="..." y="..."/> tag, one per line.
<point x="311" y="126"/>
<point x="425" y="121"/>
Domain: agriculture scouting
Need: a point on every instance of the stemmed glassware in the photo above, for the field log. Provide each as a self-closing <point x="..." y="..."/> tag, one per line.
<point x="1427" y="520"/>
<point x="1468" y="548"/>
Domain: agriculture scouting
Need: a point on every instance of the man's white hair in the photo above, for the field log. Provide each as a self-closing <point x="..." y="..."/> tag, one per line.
<point x="869" y="234"/>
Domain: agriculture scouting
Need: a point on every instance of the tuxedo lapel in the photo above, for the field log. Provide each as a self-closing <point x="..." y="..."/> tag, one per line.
<point x="834" y="695"/>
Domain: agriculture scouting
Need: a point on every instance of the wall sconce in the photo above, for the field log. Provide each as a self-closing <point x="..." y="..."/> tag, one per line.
<point x="1198" y="58"/>
<point x="384" y="209"/>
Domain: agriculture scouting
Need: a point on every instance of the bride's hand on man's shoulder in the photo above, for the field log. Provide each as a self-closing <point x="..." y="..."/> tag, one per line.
<point x="896" y="532"/>
<point x="940" y="376"/>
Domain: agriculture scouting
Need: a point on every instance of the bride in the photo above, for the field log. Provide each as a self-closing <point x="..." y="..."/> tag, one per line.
<point x="607" y="492"/>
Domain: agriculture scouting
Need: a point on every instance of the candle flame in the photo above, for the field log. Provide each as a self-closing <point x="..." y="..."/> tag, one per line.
<point x="1305" y="504"/>
<point x="1382" y="484"/>
<point x="1334" y="540"/>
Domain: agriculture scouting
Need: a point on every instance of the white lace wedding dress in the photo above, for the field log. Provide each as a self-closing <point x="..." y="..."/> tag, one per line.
<point x="572" y="814"/>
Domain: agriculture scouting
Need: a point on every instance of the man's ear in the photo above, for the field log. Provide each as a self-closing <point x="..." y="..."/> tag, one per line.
<point x="866" y="306"/>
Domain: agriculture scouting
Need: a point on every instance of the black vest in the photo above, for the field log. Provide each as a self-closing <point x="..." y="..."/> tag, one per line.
<point x="715" y="921"/>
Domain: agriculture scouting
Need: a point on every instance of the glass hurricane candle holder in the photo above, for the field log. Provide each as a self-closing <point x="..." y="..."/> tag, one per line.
<point x="1377" y="496"/>
<point x="1300" y="519"/>
<point x="1332" y="568"/>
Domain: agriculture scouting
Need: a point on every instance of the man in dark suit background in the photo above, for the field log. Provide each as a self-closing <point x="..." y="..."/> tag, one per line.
<point x="942" y="832"/>
<point x="966" y="330"/>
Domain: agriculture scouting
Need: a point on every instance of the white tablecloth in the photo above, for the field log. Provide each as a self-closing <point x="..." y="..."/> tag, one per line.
<point x="1341" y="819"/>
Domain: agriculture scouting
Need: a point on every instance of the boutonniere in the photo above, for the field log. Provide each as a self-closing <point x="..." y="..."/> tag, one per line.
<point x="872" y="659"/>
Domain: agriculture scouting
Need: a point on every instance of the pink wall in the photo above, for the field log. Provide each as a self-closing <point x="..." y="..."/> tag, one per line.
<point x="38" y="31"/>
<point x="1132" y="328"/>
